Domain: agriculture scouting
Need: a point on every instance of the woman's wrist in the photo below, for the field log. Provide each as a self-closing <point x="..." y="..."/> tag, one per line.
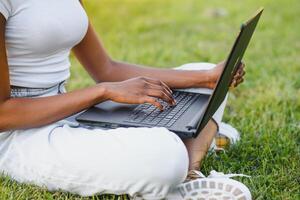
<point x="102" y="91"/>
<point x="203" y="78"/>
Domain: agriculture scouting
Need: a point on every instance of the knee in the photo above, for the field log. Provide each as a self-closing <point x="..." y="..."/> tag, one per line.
<point x="173" y="170"/>
<point x="171" y="163"/>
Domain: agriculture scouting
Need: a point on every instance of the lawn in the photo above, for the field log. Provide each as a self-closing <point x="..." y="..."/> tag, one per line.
<point x="265" y="109"/>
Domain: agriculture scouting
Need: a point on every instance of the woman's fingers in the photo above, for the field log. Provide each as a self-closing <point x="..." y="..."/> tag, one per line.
<point x="158" y="82"/>
<point x="161" y="95"/>
<point x="159" y="85"/>
<point x="152" y="101"/>
<point x="149" y="90"/>
<point x="163" y="89"/>
<point x="233" y="83"/>
<point x="239" y="81"/>
<point x="242" y="65"/>
<point x="241" y="70"/>
<point x="166" y="86"/>
<point x="238" y="77"/>
<point x="236" y="82"/>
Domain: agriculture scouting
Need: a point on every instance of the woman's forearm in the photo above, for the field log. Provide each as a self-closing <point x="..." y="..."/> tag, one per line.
<point x="173" y="78"/>
<point x="22" y="113"/>
<point x="92" y="55"/>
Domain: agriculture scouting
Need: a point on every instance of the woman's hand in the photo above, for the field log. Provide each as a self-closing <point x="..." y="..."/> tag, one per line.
<point x="138" y="91"/>
<point x="237" y="79"/>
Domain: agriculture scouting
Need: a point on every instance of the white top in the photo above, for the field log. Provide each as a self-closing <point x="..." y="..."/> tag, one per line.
<point x="39" y="36"/>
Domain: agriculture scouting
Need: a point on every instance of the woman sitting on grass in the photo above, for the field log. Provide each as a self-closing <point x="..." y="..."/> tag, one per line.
<point x="39" y="146"/>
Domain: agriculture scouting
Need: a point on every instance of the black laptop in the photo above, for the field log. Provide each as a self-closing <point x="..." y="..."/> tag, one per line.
<point x="193" y="110"/>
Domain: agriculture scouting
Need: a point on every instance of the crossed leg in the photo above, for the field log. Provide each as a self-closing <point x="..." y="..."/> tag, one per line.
<point x="198" y="147"/>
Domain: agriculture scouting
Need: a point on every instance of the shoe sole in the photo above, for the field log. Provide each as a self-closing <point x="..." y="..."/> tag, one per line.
<point x="214" y="189"/>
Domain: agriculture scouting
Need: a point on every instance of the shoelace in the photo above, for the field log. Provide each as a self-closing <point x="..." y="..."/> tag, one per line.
<point x="215" y="174"/>
<point x="195" y="174"/>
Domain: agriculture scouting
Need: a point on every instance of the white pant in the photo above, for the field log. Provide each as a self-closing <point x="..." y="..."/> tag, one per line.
<point x="145" y="161"/>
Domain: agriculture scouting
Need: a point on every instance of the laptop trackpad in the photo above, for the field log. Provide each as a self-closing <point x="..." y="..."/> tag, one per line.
<point x="110" y="106"/>
<point x="105" y="113"/>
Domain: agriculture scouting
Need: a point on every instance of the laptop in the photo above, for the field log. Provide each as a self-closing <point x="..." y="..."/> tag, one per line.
<point x="193" y="110"/>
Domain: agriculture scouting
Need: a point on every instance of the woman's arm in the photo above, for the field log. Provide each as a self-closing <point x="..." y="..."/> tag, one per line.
<point x="25" y="113"/>
<point x="92" y="55"/>
<point x="101" y="67"/>
<point x="21" y="113"/>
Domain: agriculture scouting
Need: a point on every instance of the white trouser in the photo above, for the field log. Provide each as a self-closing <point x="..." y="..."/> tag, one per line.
<point x="65" y="156"/>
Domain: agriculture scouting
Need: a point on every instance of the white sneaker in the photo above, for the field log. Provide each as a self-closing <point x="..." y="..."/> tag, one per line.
<point x="227" y="135"/>
<point x="230" y="132"/>
<point x="217" y="186"/>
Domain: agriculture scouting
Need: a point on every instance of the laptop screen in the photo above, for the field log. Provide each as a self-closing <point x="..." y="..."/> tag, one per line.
<point x="233" y="60"/>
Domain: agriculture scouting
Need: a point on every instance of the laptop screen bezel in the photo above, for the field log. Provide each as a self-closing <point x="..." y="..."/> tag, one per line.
<point x="204" y="120"/>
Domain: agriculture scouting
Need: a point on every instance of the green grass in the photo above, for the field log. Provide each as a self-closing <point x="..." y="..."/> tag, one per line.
<point x="266" y="108"/>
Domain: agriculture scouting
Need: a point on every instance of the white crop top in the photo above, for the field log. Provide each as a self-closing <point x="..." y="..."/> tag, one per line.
<point x="39" y="36"/>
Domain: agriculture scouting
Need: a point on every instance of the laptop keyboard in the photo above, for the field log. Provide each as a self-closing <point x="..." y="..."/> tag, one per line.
<point x="148" y="114"/>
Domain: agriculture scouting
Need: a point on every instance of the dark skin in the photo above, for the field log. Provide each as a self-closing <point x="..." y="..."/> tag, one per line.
<point x="114" y="81"/>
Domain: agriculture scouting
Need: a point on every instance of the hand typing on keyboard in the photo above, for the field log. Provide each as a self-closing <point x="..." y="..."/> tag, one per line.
<point x="149" y="115"/>
<point x="138" y="91"/>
